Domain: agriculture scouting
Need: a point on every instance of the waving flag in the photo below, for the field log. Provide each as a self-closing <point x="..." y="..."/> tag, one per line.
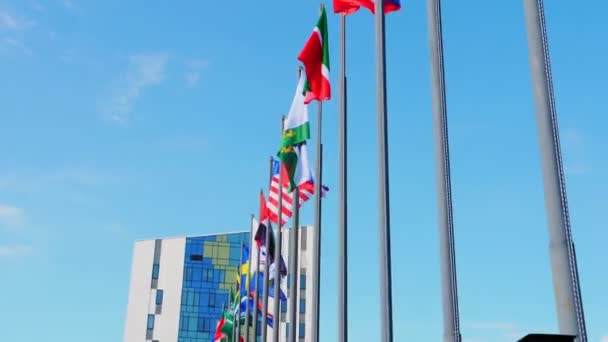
<point x="351" y="6"/>
<point x="315" y="57"/>
<point x="306" y="191"/>
<point x="260" y="236"/>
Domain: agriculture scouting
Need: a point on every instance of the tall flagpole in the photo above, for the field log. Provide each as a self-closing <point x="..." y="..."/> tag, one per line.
<point x="449" y="290"/>
<point x="257" y="290"/>
<point x="266" y="281"/>
<point x="342" y="196"/>
<point x="566" y="284"/>
<point x="316" y="246"/>
<point x="293" y="260"/>
<point x="248" y="280"/>
<point x="276" y="327"/>
<point x="238" y="305"/>
<point x="384" y="229"/>
<point x="294" y="267"/>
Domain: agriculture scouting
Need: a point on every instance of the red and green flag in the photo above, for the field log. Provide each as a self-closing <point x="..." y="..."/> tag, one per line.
<point x="315" y="57"/>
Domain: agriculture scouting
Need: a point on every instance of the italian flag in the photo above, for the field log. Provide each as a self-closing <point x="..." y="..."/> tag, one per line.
<point x="315" y="57"/>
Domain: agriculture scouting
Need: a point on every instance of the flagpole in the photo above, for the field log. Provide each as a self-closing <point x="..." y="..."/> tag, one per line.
<point x="386" y="300"/>
<point x="566" y="284"/>
<point x="316" y="247"/>
<point x="248" y="281"/>
<point x="342" y="196"/>
<point x="257" y="290"/>
<point x="294" y="267"/>
<point x="238" y="307"/>
<point x="276" y="328"/>
<point x="293" y="260"/>
<point x="264" y="323"/>
<point x="451" y="320"/>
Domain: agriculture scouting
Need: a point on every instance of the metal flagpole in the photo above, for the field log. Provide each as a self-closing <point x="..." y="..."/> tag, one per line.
<point x="293" y="261"/>
<point x="238" y="305"/>
<point x="316" y="247"/>
<point x="255" y="294"/>
<point x="294" y="267"/>
<point x="386" y="300"/>
<point x="248" y="280"/>
<point x="342" y="196"/>
<point x="276" y="312"/>
<point x="267" y="269"/>
<point x="561" y="247"/>
<point x="449" y="290"/>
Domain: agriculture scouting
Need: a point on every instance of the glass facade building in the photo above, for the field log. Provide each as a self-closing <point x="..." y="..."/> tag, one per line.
<point x="179" y="287"/>
<point x="210" y="268"/>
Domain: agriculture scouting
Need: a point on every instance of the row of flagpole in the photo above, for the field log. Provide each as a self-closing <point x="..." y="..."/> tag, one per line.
<point x="563" y="257"/>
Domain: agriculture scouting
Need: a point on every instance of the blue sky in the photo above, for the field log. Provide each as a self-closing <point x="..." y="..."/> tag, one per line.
<point x="130" y="120"/>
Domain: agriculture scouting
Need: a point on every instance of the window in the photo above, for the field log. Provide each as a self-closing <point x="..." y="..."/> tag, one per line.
<point x="302" y="281"/>
<point x="150" y="321"/>
<point x="302" y="306"/>
<point x="159" y="297"/>
<point x="212" y="299"/>
<point x="196" y="257"/>
<point x="303" y="239"/>
<point x="283" y="306"/>
<point x="155" y="270"/>
<point x="302" y="332"/>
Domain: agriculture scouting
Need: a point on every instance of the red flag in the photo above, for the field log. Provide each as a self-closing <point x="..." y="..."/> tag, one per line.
<point x="351" y="6"/>
<point x="315" y="57"/>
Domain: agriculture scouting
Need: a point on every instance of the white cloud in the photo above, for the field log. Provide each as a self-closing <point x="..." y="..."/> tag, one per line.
<point x="11" y="22"/>
<point x="69" y="5"/>
<point x="37" y="6"/>
<point x="194" y="69"/>
<point x="16" y="44"/>
<point x="15" y="251"/>
<point x="10" y="215"/>
<point x="145" y="70"/>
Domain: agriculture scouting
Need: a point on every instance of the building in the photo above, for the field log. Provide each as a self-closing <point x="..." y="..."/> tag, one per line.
<point x="179" y="286"/>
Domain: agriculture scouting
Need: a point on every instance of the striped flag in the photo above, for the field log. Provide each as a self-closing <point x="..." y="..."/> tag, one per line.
<point x="306" y="191"/>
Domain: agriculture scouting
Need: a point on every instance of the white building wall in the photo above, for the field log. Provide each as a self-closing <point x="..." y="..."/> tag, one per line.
<point x="170" y="280"/>
<point x="139" y="291"/>
<point x="306" y="260"/>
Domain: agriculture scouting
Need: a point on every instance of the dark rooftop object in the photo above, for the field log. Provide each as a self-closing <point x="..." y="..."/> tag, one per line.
<point x="547" y="338"/>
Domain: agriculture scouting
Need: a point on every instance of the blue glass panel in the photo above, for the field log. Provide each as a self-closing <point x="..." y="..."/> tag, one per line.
<point x="302" y="332"/>
<point x="302" y="281"/>
<point x="159" y="297"/>
<point x="155" y="271"/>
<point x="150" y="321"/>
<point x="302" y="306"/>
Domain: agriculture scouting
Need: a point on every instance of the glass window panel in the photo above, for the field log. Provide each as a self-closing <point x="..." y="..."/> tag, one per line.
<point x="302" y="281"/>
<point x="302" y="332"/>
<point x="155" y="271"/>
<point x="302" y="306"/>
<point x="193" y="324"/>
<point x="150" y="321"/>
<point x="159" y="297"/>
